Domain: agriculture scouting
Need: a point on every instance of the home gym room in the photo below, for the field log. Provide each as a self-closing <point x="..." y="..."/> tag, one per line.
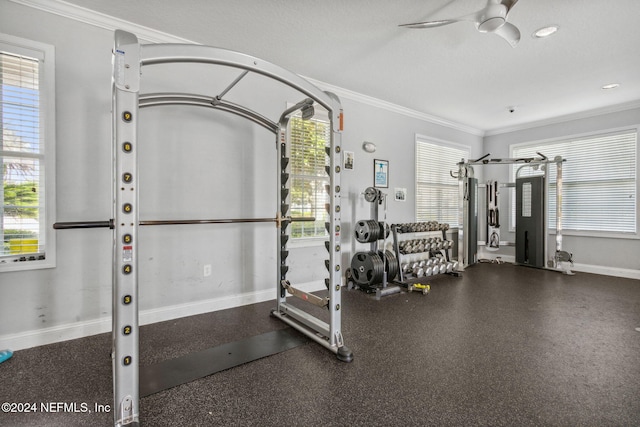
<point x="388" y="213"/>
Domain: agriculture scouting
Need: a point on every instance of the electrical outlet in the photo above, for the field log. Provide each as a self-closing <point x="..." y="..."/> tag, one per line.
<point x="207" y="270"/>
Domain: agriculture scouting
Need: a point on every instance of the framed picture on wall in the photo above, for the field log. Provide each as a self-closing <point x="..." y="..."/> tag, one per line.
<point x="348" y="159"/>
<point x="381" y="173"/>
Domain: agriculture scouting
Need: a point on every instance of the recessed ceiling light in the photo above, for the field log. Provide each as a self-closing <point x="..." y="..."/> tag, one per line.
<point x="545" y="32"/>
<point x="611" y="86"/>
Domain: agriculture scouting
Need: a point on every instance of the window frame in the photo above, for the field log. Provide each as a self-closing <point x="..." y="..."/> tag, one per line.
<point x="321" y="115"/>
<point x="454" y="182"/>
<point x="45" y="54"/>
<point x="540" y="146"/>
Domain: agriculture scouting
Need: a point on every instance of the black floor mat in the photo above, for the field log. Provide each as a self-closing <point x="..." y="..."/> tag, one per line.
<point x="181" y="370"/>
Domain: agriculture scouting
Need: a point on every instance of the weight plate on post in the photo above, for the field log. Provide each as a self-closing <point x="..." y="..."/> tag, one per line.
<point x="371" y="194"/>
<point x="367" y="231"/>
<point x="367" y="268"/>
<point x="391" y="266"/>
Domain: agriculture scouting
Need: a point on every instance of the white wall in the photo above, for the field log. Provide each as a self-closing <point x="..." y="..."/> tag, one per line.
<point x="194" y="163"/>
<point x="394" y="135"/>
<point x="598" y="254"/>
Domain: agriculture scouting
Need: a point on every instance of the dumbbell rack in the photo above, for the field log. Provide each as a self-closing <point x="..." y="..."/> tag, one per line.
<point x="438" y="251"/>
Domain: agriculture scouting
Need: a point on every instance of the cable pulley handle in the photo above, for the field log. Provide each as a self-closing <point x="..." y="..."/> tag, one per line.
<point x="83" y="224"/>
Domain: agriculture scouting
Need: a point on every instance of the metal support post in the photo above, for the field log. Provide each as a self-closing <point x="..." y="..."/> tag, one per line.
<point x="126" y="84"/>
<point x="334" y="154"/>
<point x="558" y="161"/>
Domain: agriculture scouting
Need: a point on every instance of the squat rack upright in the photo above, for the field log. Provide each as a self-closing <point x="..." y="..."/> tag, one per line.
<point x="129" y="56"/>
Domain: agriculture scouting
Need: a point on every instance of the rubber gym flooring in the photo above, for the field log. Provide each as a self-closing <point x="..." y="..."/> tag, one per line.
<point x="501" y="346"/>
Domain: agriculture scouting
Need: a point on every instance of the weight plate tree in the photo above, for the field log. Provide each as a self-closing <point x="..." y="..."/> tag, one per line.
<point x="129" y="56"/>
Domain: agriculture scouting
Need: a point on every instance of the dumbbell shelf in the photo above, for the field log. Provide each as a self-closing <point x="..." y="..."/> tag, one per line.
<point x="437" y="258"/>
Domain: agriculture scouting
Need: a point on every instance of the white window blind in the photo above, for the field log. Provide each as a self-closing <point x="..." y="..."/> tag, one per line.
<point x="23" y="198"/>
<point x="307" y="139"/>
<point x="26" y="154"/>
<point x="436" y="191"/>
<point x="599" y="181"/>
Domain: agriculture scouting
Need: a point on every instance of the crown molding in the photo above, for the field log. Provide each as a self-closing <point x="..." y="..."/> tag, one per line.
<point x="385" y="105"/>
<point x="567" y="118"/>
<point x="101" y="20"/>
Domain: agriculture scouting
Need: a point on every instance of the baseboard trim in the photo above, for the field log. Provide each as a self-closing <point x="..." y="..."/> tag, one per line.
<point x="627" y="273"/>
<point x="608" y="271"/>
<point x="87" y="328"/>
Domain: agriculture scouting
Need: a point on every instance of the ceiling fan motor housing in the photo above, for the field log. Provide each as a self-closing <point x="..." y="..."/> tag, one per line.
<point x="491" y="18"/>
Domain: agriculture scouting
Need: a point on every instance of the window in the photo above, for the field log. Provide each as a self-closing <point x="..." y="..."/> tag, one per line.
<point x="26" y="153"/>
<point x="599" y="181"/>
<point x="309" y="178"/>
<point x="437" y="197"/>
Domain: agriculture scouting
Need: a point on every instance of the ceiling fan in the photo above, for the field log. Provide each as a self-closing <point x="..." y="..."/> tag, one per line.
<point x="491" y="19"/>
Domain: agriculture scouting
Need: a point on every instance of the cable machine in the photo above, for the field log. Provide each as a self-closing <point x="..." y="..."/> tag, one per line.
<point x="532" y="208"/>
<point x="129" y="56"/>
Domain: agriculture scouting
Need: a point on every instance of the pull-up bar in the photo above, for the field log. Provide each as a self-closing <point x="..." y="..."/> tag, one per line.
<point x="83" y="224"/>
<point x="110" y="223"/>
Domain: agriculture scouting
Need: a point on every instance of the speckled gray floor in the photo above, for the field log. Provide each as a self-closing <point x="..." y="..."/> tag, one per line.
<point x="501" y="346"/>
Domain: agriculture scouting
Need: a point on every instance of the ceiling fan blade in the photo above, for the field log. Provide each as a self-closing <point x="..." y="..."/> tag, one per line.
<point x="473" y="17"/>
<point x="510" y="33"/>
<point x="509" y="3"/>
<point x="429" y="24"/>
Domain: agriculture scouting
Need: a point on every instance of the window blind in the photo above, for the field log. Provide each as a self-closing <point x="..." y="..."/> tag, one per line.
<point x="436" y="191"/>
<point x="22" y="154"/>
<point x="599" y="188"/>
<point x="308" y="139"/>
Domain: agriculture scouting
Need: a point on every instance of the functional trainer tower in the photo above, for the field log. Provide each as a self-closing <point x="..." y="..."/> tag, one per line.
<point x="129" y="57"/>
<point x="532" y="206"/>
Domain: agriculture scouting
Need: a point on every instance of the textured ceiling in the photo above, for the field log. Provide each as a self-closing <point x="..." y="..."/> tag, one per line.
<point x="451" y="72"/>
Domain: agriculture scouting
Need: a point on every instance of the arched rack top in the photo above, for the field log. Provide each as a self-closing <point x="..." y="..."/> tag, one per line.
<point x="165" y="53"/>
<point x="157" y="99"/>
